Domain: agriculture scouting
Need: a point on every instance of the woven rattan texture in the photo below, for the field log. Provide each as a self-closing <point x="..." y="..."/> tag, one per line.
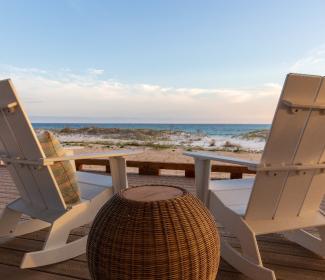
<point x="172" y="239"/>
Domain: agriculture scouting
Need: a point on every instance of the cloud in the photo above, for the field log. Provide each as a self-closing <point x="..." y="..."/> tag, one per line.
<point x="68" y="95"/>
<point x="95" y="72"/>
<point x="313" y="62"/>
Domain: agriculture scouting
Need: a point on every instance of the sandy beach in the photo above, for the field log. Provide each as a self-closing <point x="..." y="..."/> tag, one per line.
<point x="163" y="145"/>
<point x="160" y="145"/>
<point x="165" y="155"/>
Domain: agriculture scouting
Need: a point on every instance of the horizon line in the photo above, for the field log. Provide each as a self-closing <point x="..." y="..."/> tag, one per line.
<point x="172" y="123"/>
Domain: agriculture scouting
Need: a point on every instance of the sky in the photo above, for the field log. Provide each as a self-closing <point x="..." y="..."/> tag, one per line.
<point x="180" y="61"/>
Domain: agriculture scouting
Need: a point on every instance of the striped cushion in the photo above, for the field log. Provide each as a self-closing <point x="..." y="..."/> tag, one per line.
<point x="63" y="171"/>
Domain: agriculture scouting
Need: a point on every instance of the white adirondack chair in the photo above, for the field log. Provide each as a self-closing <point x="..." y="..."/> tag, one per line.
<point x="40" y="197"/>
<point x="286" y="194"/>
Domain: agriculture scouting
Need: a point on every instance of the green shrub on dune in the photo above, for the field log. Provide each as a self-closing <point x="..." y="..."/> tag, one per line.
<point x="121" y="133"/>
<point x="260" y="135"/>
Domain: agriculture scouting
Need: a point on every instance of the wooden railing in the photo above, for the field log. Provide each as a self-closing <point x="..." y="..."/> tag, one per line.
<point x="154" y="168"/>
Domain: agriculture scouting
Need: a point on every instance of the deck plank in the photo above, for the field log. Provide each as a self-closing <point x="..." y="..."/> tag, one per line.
<point x="12" y="272"/>
<point x="287" y="259"/>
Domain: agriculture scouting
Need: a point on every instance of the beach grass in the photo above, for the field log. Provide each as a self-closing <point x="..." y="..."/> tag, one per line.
<point x="113" y="138"/>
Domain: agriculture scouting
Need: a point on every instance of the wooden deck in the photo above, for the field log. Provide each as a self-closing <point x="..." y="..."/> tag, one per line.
<point x="290" y="261"/>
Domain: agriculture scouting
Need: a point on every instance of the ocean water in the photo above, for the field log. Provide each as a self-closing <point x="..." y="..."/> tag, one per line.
<point x="209" y="129"/>
<point x="218" y="133"/>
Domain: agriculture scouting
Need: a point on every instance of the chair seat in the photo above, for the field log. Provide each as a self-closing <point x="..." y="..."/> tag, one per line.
<point x="91" y="184"/>
<point x="233" y="193"/>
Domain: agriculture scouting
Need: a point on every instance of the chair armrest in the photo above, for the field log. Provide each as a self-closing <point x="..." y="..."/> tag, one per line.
<point x="51" y="160"/>
<point x="251" y="165"/>
<point x="117" y="153"/>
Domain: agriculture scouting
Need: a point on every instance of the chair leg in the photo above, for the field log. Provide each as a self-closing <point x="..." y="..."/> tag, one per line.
<point x="8" y="224"/>
<point x="57" y="236"/>
<point x="249" y="260"/>
<point x="56" y="248"/>
<point x="249" y="246"/>
<point x="29" y="226"/>
<point x="57" y="254"/>
<point x="11" y="226"/>
<point x="308" y="240"/>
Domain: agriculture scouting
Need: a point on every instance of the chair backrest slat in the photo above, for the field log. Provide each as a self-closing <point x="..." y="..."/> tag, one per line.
<point x="291" y="141"/>
<point x="37" y="186"/>
<point x="315" y="193"/>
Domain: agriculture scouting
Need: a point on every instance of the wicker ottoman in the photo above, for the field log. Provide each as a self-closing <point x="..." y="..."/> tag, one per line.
<point x="153" y="232"/>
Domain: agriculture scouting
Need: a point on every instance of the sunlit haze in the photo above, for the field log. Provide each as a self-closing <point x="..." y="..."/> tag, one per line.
<point x="158" y="61"/>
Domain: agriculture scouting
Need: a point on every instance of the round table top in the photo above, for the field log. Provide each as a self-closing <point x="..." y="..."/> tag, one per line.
<point x="152" y="193"/>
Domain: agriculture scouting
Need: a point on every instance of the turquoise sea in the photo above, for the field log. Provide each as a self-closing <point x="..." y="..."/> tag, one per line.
<point x="208" y="129"/>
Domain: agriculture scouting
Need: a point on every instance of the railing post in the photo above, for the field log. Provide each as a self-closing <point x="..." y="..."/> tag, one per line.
<point x="236" y="175"/>
<point x="147" y="169"/>
<point x="78" y="165"/>
<point x="189" y="172"/>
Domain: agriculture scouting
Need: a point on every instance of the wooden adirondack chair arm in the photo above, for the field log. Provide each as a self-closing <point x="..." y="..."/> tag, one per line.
<point x="251" y="165"/>
<point x="50" y="161"/>
<point x="117" y="153"/>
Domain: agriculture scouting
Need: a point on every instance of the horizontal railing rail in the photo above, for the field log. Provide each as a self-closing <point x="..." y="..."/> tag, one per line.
<point x="154" y="167"/>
